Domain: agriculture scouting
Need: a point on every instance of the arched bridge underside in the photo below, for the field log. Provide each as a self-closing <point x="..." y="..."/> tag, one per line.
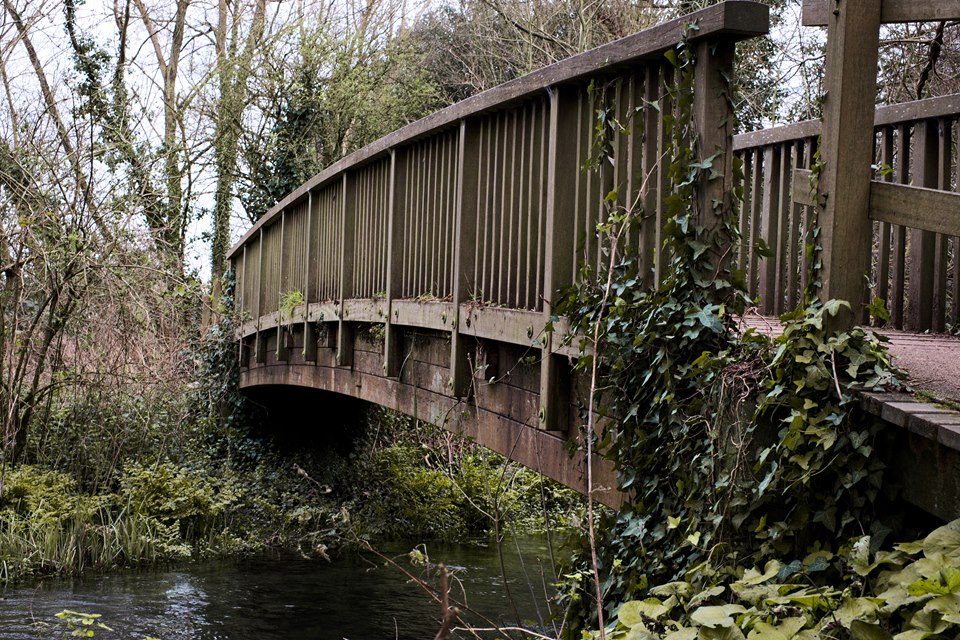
<point x="500" y="415"/>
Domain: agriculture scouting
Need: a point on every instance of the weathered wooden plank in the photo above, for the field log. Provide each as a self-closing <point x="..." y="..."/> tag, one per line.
<point x="348" y="222"/>
<point x="769" y="228"/>
<point x="396" y="212"/>
<point x="364" y="310"/>
<point x="850" y="86"/>
<point x="514" y="326"/>
<point x="922" y="241"/>
<point x="929" y="210"/>
<point x="465" y="239"/>
<point x="920" y="208"/>
<point x="735" y="19"/>
<point x="941" y="256"/>
<point x="816" y="13"/>
<point x="426" y="314"/>
<point x="560" y="233"/>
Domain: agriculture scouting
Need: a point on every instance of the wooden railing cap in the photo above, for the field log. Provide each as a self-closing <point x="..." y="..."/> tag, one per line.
<point x="733" y="19"/>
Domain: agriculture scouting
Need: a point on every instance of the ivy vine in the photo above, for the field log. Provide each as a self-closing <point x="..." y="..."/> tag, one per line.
<point x="734" y="448"/>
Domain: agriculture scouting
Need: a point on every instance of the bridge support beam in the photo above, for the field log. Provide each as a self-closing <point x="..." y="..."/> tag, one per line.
<point x="345" y="332"/>
<point x="465" y="232"/>
<point x="558" y="261"/>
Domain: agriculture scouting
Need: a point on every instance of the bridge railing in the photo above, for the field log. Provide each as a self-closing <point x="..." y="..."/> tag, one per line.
<point x="914" y="269"/>
<point x="469" y="220"/>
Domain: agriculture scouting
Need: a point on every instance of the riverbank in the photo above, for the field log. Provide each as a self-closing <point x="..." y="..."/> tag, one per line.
<point x="392" y="479"/>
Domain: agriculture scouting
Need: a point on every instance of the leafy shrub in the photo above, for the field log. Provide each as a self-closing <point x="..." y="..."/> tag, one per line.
<point x="910" y="592"/>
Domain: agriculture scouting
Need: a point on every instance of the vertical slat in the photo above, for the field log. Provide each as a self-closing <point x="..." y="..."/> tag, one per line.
<point x="955" y="289"/>
<point x="941" y="242"/>
<point x="899" y="264"/>
<point x="465" y="232"/>
<point x="309" y="333"/>
<point x="665" y="156"/>
<point x="395" y="242"/>
<point x="923" y="243"/>
<point x="348" y="220"/>
<point x="558" y="272"/>
<point x="783" y="228"/>
<point x="769" y="228"/>
<point x="756" y="216"/>
<point x="882" y="284"/>
<point x="743" y="249"/>
<point x="795" y="241"/>
<point x="650" y="184"/>
<point x="260" y="342"/>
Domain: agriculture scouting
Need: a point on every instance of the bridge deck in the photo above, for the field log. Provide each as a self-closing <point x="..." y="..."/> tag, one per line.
<point x="931" y="361"/>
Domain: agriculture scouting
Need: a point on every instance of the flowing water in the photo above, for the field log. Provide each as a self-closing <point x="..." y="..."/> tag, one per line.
<point x="285" y="597"/>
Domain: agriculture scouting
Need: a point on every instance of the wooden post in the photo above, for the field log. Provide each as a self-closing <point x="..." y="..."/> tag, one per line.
<point x="395" y="239"/>
<point x="770" y="227"/>
<point x="260" y="344"/>
<point x="923" y="243"/>
<point x="713" y="120"/>
<point x="282" y="351"/>
<point x="558" y="263"/>
<point x="309" y="328"/>
<point x="465" y="230"/>
<point x="941" y="253"/>
<point x="347" y="231"/>
<point x="853" y="35"/>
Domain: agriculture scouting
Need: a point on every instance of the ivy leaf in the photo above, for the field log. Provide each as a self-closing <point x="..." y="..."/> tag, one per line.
<point x="717" y="616"/>
<point x="861" y="630"/>
<point x="945" y="540"/>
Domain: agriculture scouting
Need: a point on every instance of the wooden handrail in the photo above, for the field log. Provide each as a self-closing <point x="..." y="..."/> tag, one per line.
<point x="887" y="115"/>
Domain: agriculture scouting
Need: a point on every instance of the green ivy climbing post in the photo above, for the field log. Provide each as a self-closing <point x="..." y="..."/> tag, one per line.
<point x="713" y="119"/>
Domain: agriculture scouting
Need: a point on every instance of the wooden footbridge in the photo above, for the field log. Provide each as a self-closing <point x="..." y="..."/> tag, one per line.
<point x="419" y="272"/>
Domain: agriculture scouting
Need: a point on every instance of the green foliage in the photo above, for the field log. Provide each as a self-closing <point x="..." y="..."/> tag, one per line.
<point x="81" y="625"/>
<point x="734" y="448"/>
<point x="909" y="592"/>
<point x="425" y="484"/>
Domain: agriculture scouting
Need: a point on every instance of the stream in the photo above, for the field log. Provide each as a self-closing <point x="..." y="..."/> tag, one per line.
<point x="286" y="596"/>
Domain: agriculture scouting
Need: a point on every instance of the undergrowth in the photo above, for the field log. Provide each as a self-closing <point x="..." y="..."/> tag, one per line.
<point x="756" y="502"/>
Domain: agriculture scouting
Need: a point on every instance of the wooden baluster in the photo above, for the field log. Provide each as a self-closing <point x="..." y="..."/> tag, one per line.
<point x="795" y="241"/>
<point x="743" y="250"/>
<point x="806" y="237"/>
<point x="348" y="221"/>
<point x="562" y="169"/>
<point x="396" y="214"/>
<point x="923" y="243"/>
<point x="783" y="228"/>
<point x="466" y="214"/>
<point x="281" y="349"/>
<point x="756" y="222"/>
<point x="941" y="242"/>
<point x="899" y="266"/>
<point x="955" y="307"/>
<point x="260" y="345"/>
<point x="309" y="327"/>
<point x="650" y="183"/>
<point x="882" y="285"/>
<point x="769" y="228"/>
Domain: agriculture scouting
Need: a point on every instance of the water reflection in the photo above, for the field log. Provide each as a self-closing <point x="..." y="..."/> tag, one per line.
<point x="283" y="597"/>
